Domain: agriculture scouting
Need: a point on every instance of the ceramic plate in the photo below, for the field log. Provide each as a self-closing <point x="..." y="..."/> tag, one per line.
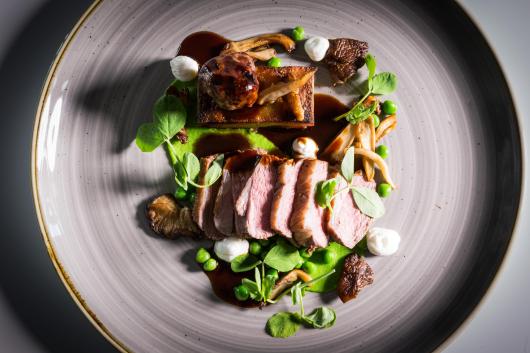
<point x="456" y="156"/>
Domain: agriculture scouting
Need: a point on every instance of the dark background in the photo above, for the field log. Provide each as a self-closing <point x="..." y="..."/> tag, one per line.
<point x="36" y="312"/>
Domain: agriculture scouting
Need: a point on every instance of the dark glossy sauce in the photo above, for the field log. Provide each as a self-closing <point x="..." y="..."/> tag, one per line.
<point x="241" y="162"/>
<point x="223" y="281"/>
<point x="202" y="46"/>
<point x="326" y="109"/>
<point x="220" y="143"/>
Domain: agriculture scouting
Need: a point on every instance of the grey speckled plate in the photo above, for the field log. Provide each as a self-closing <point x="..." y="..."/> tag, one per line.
<point x="456" y="156"/>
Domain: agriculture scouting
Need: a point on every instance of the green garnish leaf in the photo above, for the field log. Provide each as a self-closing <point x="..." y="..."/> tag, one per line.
<point x="148" y="137"/>
<point x="282" y="257"/>
<point x="324" y="192"/>
<point x="252" y="288"/>
<point x="181" y="176"/>
<point x="384" y="83"/>
<point x="192" y="165"/>
<point x="322" y="268"/>
<point x="370" y="65"/>
<point x="282" y="325"/>
<point x="320" y="318"/>
<point x="347" y="166"/>
<point x="244" y="263"/>
<point x="368" y="201"/>
<point x="215" y="171"/>
<point x="360" y="113"/>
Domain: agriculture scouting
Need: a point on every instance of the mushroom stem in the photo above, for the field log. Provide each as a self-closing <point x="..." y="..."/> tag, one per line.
<point x="262" y="55"/>
<point x="385" y="127"/>
<point x="277" y="90"/>
<point x="334" y="152"/>
<point x="293" y="100"/>
<point x="259" y="41"/>
<point x="287" y="281"/>
<point x="379" y="162"/>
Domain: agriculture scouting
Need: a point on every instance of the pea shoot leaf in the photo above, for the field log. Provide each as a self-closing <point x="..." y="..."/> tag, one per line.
<point x="324" y="192"/>
<point x="192" y="165"/>
<point x="322" y="317"/>
<point x="282" y="325"/>
<point x="359" y="113"/>
<point x="384" y="83"/>
<point x="347" y="166"/>
<point x="282" y="257"/>
<point x="368" y="201"/>
<point x="244" y="263"/>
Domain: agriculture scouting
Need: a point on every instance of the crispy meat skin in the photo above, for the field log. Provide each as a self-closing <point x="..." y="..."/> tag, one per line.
<point x="279" y="113"/>
<point x="344" y="57"/>
<point x="356" y="274"/>
<point x="205" y="202"/>
<point x="230" y="80"/>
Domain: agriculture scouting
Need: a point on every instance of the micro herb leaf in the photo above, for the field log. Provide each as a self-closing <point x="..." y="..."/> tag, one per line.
<point x="370" y="65"/>
<point x="324" y="192"/>
<point x="384" y="83"/>
<point x="282" y="325"/>
<point x="347" y="166"/>
<point x="258" y="279"/>
<point x="360" y="113"/>
<point x="169" y="116"/>
<point x="282" y="257"/>
<point x="368" y="201"/>
<point x="244" y="263"/>
<point x="320" y="318"/>
<point x="215" y="171"/>
<point x="252" y="288"/>
<point x="267" y="284"/>
<point x="192" y="165"/>
<point x="181" y="176"/>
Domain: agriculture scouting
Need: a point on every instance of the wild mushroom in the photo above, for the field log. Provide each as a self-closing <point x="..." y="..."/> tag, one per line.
<point x="262" y="55"/>
<point x="293" y="100"/>
<point x="356" y="274"/>
<point x="379" y="162"/>
<point x="334" y="152"/>
<point x="364" y="132"/>
<point x="287" y="281"/>
<point x="277" y="90"/>
<point x="168" y="219"/>
<point x="259" y="41"/>
<point x="385" y="127"/>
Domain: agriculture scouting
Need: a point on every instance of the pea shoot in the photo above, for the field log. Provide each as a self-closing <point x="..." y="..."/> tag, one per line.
<point x="376" y="119"/>
<point x="274" y="62"/>
<point x="298" y="33"/>
<point x="384" y="189"/>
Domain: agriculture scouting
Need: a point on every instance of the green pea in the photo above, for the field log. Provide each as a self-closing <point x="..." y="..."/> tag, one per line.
<point x="389" y="107"/>
<point x="210" y="265"/>
<point x="298" y="33"/>
<point x="273" y="273"/>
<point x="382" y="150"/>
<point x="309" y="267"/>
<point x="180" y="193"/>
<point x="329" y="256"/>
<point x="384" y="189"/>
<point x="376" y="119"/>
<point x="241" y="292"/>
<point x="202" y="255"/>
<point x="274" y="62"/>
<point x="300" y="263"/>
<point x="255" y="248"/>
<point x="305" y="254"/>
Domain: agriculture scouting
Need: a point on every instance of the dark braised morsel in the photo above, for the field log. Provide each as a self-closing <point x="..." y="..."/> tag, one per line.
<point x="230" y="80"/>
<point x="168" y="219"/>
<point x="356" y="274"/>
<point x="182" y="136"/>
<point x="344" y="57"/>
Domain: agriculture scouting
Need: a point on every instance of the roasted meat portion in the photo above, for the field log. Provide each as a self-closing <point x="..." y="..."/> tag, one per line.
<point x="344" y="57"/>
<point x="230" y="80"/>
<point x="356" y="274"/>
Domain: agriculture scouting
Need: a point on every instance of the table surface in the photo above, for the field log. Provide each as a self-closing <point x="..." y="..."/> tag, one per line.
<point x="36" y="312"/>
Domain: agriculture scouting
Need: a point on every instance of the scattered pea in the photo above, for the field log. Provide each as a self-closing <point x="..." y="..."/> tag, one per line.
<point x="389" y="107"/>
<point x="309" y="267"/>
<point x="376" y="119"/>
<point x="255" y="248"/>
<point x="210" y="265"/>
<point x="202" y="255"/>
<point x="384" y="189"/>
<point x="241" y="292"/>
<point x="180" y="193"/>
<point x="298" y="33"/>
<point x="274" y="62"/>
<point x="273" y="273"/>
<point x="382" y="150"/>
<point x="329" y="257"/>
